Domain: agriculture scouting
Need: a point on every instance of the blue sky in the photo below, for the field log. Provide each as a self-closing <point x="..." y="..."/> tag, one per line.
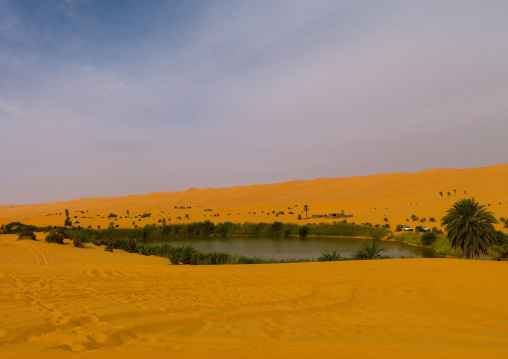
<point x="112" y="98"/>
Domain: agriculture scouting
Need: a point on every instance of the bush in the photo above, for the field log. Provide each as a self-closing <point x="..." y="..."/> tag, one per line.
<point x="332" y="256"/>
<point x="27" y="235"/>
<point x="132" y="245"/>
<point x="54" y="237"/>
<point x="77" y="243"/>
<point x="109" y="246"/>
<point x="303" y="231"/>
<point x="428" y="239"/>
<point x="399" y="228"/>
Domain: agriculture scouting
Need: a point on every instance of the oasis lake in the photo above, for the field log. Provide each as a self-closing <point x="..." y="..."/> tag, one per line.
<point x="295" y="247"/>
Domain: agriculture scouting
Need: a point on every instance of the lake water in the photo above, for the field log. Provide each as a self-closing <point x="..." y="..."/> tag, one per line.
<point x="294" y="247"/>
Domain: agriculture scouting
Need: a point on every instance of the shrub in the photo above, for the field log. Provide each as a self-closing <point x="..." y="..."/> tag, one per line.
<point x="428" y="239"/>
<point x="54" y="237"/>
<point x="27" y="235"/>
<point x="369" y="251"/>
<point x="132" y="245"/>
<point x="109" y="246"/>
<point x="77" y="243"/>
<point x="399" y="228"/>
<point x="332" y="256"/>
<point x="10" y="227"/>
<point x="303" y="231"/>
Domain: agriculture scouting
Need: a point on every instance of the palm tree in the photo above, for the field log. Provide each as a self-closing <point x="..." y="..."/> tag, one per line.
<point x="330" y="256"/>
<point x="369" y="251"/>
<point x="470" y="227"/>
<point x="306" y="208"/>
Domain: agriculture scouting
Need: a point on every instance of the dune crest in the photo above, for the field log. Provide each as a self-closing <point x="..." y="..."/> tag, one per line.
<point x="371" y="198"/>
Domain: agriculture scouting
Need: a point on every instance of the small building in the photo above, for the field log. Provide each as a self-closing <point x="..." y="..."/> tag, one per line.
<point x="332" y="215"/>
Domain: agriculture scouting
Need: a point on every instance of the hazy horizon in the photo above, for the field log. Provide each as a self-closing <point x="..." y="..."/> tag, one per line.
<point x="113" y="99"/>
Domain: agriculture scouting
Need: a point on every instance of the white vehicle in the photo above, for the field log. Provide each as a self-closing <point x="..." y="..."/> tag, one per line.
<point x="407" y="228"/>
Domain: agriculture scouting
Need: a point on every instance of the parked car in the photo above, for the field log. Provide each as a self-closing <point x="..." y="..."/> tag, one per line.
<point x="422" y="229"/>
<point x="407" y="228"/>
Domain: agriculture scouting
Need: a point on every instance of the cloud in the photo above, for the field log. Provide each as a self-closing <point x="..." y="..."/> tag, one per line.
<point x="238" y="93"/>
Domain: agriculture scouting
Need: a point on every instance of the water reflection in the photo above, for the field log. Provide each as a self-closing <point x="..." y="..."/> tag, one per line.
<point x="295" y="247"/>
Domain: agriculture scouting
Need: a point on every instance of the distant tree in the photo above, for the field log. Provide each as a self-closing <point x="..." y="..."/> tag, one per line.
<point x="68" y="222"/>
<point x="385" y="219"/>
<point x="432" y="219"/>
<point x="276" y="228"/>
<point x="455" y="191"/>
<point x="471" y="228"/>
<point x="299" y="216"/>
<point x="306" y="209"/>
<point x="441" y="194"/>
<point x="465" y="192"/>
<point x="448" y="193"/>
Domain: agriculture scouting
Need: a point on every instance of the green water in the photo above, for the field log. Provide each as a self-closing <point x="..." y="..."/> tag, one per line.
<point x="294" y="247"/>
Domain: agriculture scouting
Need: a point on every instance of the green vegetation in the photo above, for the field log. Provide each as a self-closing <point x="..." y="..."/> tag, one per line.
<point x="77" y="243"/>
<point x="303" y="231"/>
<point x="370" y="251"/>
<point x="470" y="227"/>
<point x="441" y="245"/>
<point x="428" y="238"/>
<point x="110" y="246"/>
<point x="26" y="235"/>
<point x="332" y="256"/>
<point x="54" y="237"/>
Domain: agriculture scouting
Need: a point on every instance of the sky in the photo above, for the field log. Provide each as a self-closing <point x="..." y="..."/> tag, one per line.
<point x="114" y="98"/>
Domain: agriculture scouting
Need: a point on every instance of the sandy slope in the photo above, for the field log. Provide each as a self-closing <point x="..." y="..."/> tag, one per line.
<point x="395" y="196"/>
<point x="60" y="301"/>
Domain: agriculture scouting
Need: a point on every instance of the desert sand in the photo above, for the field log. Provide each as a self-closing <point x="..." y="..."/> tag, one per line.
<point x="395" y="196"/>
<point x="59" y="301"/>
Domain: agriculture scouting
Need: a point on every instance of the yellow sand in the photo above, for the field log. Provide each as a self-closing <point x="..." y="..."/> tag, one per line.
<point x="394" y="196"/>
<point x="57" y="301"/>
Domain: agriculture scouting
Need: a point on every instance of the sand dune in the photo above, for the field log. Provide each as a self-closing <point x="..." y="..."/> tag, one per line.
<point x="395" y="196"/>
<point x="59" y="301"/>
